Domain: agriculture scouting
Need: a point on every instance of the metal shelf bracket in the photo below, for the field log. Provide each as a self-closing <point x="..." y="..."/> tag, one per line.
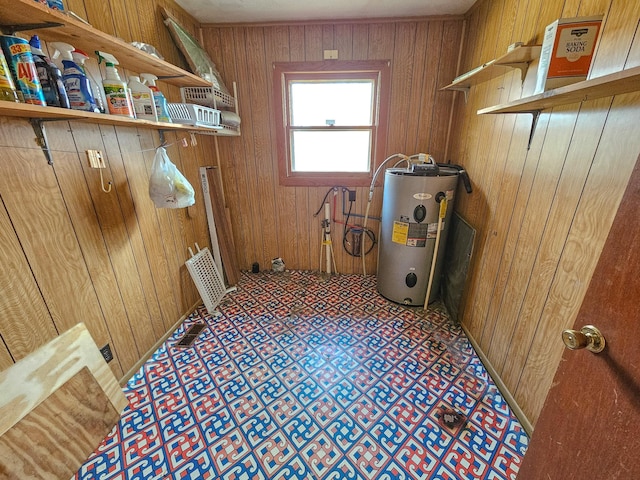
<point x="534" y="123"/>
<point x="41" y="137"/>
<point x="522" y="66"/>
<point x="465" y="90"/>
<point x="12" y="29"/>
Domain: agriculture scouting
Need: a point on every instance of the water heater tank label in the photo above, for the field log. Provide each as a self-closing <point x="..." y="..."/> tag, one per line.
<point x="410" y="234"/>
<point x="400" y="232"/>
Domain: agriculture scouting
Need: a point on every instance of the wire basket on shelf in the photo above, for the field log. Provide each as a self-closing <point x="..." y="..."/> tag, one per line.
<point x="196" y="115"/>
<point x="208" y="96"/>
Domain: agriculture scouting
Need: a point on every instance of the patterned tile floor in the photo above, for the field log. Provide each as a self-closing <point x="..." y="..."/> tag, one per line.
<point x="302" y="377"/>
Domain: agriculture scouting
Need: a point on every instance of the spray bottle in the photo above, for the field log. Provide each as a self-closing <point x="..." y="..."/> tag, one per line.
<point x="161" y="102"/>
<point x="50" y="76"/>
<point x="79" y="57"/>
<point x="142" y="99"/>
<point x="75" y="81"/>
<point x="115" y="89"/>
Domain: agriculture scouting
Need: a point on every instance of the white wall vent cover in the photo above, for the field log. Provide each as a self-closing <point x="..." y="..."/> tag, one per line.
<point x="207" y="278"/>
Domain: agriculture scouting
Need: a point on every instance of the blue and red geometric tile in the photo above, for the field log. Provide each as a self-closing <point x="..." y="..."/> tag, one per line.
<point x="298" y="377"/>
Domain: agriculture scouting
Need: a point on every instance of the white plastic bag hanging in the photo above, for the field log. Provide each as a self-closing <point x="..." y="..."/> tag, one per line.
<point x="168" y="188"/>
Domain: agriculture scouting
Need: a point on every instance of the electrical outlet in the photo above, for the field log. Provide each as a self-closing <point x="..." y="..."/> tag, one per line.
<point x="106" y="353"/>
<point x="352" y="195"/>
<point x="331" y="54"/>
<point x="95" y="159"/>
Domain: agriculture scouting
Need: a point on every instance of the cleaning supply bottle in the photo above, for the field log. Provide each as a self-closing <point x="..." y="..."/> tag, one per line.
<point x="56" y="5"/>
<point x="161" y="102"/>
<point x="79" y="57"/>
<point x="142" y="97"/>
<point x="7" y="88"/>
<point x="75" y="81"/>
<point x="115" y="89"/>
<point x="50" y="76"/>
<point x="20" y="61"/>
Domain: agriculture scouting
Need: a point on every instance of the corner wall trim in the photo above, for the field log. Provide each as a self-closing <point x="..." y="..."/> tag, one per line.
<point x="526" y="424"/>
<point x="132" y="371"/>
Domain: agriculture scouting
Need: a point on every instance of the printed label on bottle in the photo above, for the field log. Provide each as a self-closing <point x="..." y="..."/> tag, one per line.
<point x="118" y="100"/>
<point x="142" y="103"/>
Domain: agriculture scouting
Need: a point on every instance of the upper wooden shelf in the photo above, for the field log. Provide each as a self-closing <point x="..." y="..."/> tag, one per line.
<point x="23" y="110"/>
<point x="89" y="39"/>
<point x="519" y="57"/>
<point x="617" y="83"/>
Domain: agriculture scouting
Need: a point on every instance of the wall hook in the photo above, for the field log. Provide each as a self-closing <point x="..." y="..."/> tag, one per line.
<point x="163" y="140"/>
<point x="105" y="190"/>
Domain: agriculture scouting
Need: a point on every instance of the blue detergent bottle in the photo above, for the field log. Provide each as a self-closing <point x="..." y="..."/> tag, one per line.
<point x="75" y="81"/>
<point x="50" y="76"/>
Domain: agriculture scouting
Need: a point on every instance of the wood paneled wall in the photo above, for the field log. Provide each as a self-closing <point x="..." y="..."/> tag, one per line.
<point x="542" y="214"/>
<point x="274" y="221"/>
<point x="70" y="253"/>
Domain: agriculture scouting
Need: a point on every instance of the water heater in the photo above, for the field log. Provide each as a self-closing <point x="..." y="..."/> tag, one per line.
<point x="410" y="212"/>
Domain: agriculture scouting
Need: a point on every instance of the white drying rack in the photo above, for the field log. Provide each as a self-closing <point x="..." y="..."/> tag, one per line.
<point x="207" y="278"/>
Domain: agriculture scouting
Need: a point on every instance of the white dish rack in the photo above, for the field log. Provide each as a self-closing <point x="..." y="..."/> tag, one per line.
<point x="196" y="115"/>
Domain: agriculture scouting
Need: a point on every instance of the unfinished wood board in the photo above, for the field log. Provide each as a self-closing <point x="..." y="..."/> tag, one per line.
<point x="617" y="83"/>
<point x="55" y="438"/>
<point x="225" y="235"/>
<point x="31" y="380"/>
<point x="520" y="57"/>
<point x="89" y="39"/>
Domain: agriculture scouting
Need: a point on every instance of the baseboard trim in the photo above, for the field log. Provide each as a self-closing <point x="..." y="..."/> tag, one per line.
<point x="132" y="371"/>
<point x="524" y="421"/>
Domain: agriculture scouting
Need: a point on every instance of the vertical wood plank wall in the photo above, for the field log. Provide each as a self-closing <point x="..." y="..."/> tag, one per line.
<point x="70" y="253"/>
<point x="542" y="214"/>
<point x="273" y="221"/>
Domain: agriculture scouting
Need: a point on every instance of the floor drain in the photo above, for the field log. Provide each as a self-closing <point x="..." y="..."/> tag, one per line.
<point x="451" y="419"/>
<point x="190" y="336"/>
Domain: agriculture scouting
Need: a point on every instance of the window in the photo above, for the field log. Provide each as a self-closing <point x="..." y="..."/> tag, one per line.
<point x="331" y="122"/>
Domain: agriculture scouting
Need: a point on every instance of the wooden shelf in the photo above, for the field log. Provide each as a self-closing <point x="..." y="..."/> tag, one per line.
<point x="519" y="57"/>
<point x="24" y="15"/>
<point x="617" y="83"/>
<point x="22" y="110"/>
<point x="89" y="39"/>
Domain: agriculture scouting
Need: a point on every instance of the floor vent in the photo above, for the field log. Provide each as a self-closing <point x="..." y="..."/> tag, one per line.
<point x="191" y="335"/>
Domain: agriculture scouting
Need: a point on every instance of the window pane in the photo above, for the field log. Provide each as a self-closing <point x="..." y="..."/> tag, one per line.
<point x="327" y="151"/>
<point x="343" y="103"/>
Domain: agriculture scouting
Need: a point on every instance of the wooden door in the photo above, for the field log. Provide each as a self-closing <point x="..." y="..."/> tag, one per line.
<point x="589" y="427"/>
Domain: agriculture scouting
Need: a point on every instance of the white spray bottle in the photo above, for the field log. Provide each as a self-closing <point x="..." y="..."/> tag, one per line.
<point x="142" y="98"/>
<point x="161" y="102"/>
<point x="115" y="89"/>
<point x="74" y="79"/>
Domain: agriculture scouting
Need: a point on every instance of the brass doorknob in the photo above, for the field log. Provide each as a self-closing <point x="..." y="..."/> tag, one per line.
<point x="588" y="337"/>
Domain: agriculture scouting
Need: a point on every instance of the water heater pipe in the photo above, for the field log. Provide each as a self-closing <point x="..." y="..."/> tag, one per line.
<point x="443" y="212"/>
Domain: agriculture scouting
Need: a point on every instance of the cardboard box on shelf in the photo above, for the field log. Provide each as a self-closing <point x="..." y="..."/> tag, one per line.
<point x="567" y="50"/>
